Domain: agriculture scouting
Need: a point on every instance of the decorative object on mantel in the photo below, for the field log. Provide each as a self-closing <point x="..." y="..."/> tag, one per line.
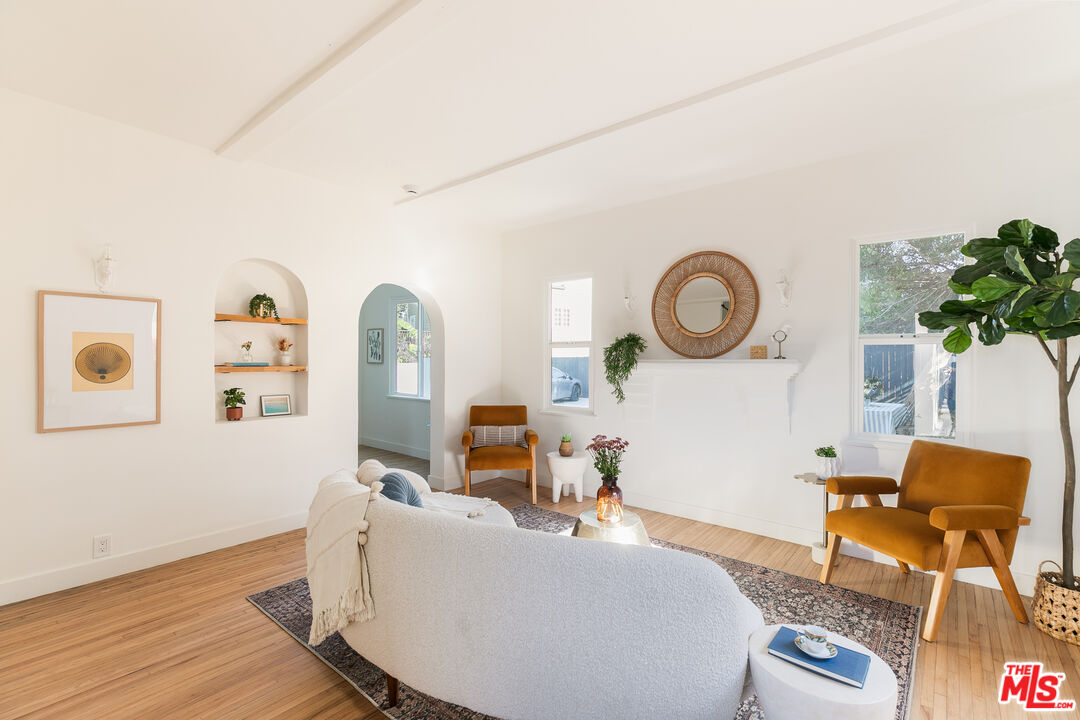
<point x="705" y="304"/>
<point x="246" y="358"/>
<point x="284" y="346"/>
<point x="779" y="337"/>
<point x="105" y="270"/>
<point x="374" y="345"/>
<point x="1021" y="286"/>
<point x="620" y="359"/>
<point x="263" y="306"/>
<point x="759" y="352"/>
<point x="607" y="456"/>
<point x="234" y="398"/>
<point x="783" y="289"/>
<point x="99" y="361"/>
<point x="828" y="462"/>
<point x="566" y="448"/>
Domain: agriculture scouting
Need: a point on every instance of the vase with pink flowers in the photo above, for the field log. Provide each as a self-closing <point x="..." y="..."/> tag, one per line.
<point x="607" y="455"/>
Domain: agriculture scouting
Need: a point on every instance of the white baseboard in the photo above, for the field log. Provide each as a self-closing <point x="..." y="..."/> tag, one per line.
<point x="50" y="581"/>
<point x="422" y="453"/>
<point x="746" y="523"/>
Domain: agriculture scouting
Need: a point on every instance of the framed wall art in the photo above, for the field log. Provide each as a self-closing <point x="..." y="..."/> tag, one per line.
<point x="374" y="345"/>
<point x="275" y="405"/>
<point x="99" y="361"/>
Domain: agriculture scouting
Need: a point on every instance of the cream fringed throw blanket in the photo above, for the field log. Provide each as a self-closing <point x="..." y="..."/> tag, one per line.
<point x="337" y="569"/>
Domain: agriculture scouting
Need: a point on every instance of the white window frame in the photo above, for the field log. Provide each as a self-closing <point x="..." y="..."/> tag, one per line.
<point x="965" y="365"/>
<point x="423" y="390"/>
<point x="547" y="407"/>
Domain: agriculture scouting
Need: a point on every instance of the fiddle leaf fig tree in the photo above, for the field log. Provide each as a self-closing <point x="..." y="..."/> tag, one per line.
<point x="1021" y="283"/>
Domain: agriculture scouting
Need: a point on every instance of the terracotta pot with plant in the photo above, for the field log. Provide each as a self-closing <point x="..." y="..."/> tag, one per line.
<point x="1021" y="283"/>
<point x="234" y="398"/>
<point x="566" y="448"/>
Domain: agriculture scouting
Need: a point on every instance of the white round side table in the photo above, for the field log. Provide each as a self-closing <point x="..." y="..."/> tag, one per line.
<point x="788" y="692"/>
<point x="567" y="471"/>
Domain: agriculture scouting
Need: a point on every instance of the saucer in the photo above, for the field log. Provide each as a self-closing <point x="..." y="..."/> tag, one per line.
<point x="808" y="647"/>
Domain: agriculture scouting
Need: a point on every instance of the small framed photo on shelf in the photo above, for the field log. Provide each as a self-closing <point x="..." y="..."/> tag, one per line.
<point x="275" y="405"/>
<point x="374" y="345"/>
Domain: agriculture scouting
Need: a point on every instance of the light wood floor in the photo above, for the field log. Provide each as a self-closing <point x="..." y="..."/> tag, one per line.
<point x="180" y="640"/>
<point x="394" y="460"/>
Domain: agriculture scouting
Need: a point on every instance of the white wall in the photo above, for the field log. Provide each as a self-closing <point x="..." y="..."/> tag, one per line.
<point x="804" y="221"/>
<point x="177" y="216"/>
<point x="391" y="423"/>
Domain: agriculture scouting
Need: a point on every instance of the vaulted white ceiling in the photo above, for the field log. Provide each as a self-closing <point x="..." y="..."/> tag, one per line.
<point x="508" y="112"/>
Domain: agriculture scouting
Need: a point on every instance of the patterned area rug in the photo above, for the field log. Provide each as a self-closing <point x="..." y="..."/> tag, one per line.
<point x="890" y="629"/>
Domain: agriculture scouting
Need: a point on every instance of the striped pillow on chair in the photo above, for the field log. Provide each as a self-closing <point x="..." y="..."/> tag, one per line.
<point x="493" y="435"/>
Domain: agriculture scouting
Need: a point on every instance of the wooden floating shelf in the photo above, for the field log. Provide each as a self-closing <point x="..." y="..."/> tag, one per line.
<point x="247" y="318"/>
<point x="264" y="368"/>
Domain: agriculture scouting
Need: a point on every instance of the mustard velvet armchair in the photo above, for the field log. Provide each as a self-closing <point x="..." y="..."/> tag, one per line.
<point x="956" y="508"/>
<point x="501" y="457"/>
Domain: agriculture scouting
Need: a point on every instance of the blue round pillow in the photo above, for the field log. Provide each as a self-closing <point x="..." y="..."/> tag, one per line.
<point x="397" y="487"/>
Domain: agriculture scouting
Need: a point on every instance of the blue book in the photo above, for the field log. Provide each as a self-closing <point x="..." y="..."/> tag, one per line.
<point x="251" y="364"/>
<point x="849" y="666"/>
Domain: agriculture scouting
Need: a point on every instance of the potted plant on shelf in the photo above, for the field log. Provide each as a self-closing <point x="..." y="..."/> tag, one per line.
<point x="607" y="456"/>
<point x="566" y="448"/>
<point x="263" y="306"/>
<point x="245" y="352"/>
<point x="1021" y="283"/>
<point x="234" y="398"/>
<point x="620" y="359"/>
<point x="285" y="350"/>
<point x="828" y="462"/>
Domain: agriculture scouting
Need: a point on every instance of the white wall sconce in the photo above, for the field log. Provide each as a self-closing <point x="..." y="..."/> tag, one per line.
<point x="105" y="270"/>
<point x="783" y="289"/>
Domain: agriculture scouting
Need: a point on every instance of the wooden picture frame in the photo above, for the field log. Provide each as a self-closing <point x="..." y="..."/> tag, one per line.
<point x="272" y="405"/>
<point x="99" y="361"/>
<point x="375" y="346"/>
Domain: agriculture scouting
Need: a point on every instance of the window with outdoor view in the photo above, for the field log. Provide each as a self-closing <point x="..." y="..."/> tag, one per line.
<point x="411" y="374"/>
<point x="908" y="383"/>
<point x="569" y="343"/>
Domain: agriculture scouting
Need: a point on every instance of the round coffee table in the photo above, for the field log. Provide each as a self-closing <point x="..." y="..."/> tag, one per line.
<point x="567" y="471"/>
<point x="787" y="691"/>
<point x="631" y="531"/>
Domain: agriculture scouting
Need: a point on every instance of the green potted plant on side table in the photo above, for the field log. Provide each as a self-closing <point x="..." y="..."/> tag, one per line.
<point x="828" y="462"/>
<point x="566" y="448"/>
<point x="234" y="398"/>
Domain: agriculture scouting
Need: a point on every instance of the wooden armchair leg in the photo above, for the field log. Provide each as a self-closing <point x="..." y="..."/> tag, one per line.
<point x="991" y="545"/>
<point x="468" y="489"/>
<point x="950" y="556"/>
<point x="904" y="567"/>
<point x="531" y="475"/>
<point x="830" y="558"/>
<point x="391" y="690"/>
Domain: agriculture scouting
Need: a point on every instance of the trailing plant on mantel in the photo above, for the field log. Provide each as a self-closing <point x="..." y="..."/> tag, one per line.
<point x="620" y="359"/>
<point x="1021" y="283"/>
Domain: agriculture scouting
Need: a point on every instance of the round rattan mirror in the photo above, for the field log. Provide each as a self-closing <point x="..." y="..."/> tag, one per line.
<point x="705" y="304"/>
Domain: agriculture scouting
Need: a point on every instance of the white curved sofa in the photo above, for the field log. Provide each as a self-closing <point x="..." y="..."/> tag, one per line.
<point x="527" y="625"/>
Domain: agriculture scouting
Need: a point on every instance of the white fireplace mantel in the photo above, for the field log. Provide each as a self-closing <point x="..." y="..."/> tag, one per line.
<point x="741" y="368"/>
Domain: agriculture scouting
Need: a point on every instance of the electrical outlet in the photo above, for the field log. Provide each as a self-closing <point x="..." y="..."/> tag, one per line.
<point x="102" y="546"/>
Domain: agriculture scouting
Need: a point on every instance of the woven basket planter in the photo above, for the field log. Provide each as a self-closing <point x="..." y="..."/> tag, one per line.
<point x="1056" y="609"/>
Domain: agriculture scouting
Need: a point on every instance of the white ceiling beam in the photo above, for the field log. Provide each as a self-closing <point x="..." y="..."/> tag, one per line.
<point x="392" y="33"/>
<point x="946" y="19"/>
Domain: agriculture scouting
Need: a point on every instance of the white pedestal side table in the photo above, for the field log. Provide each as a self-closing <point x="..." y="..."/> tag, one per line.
<point x="788" y="692"/>
<point x="567" y="471"/>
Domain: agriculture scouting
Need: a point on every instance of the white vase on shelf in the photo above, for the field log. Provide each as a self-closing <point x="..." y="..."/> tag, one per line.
<point x="828" y="467"/>
<point x="285" y="358"/>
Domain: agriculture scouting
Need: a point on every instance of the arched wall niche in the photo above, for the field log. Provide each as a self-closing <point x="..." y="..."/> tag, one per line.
<point x="238" y="284"/>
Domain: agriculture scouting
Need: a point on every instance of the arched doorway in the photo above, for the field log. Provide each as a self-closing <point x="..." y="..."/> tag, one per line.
<point x="400" y="403"/>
